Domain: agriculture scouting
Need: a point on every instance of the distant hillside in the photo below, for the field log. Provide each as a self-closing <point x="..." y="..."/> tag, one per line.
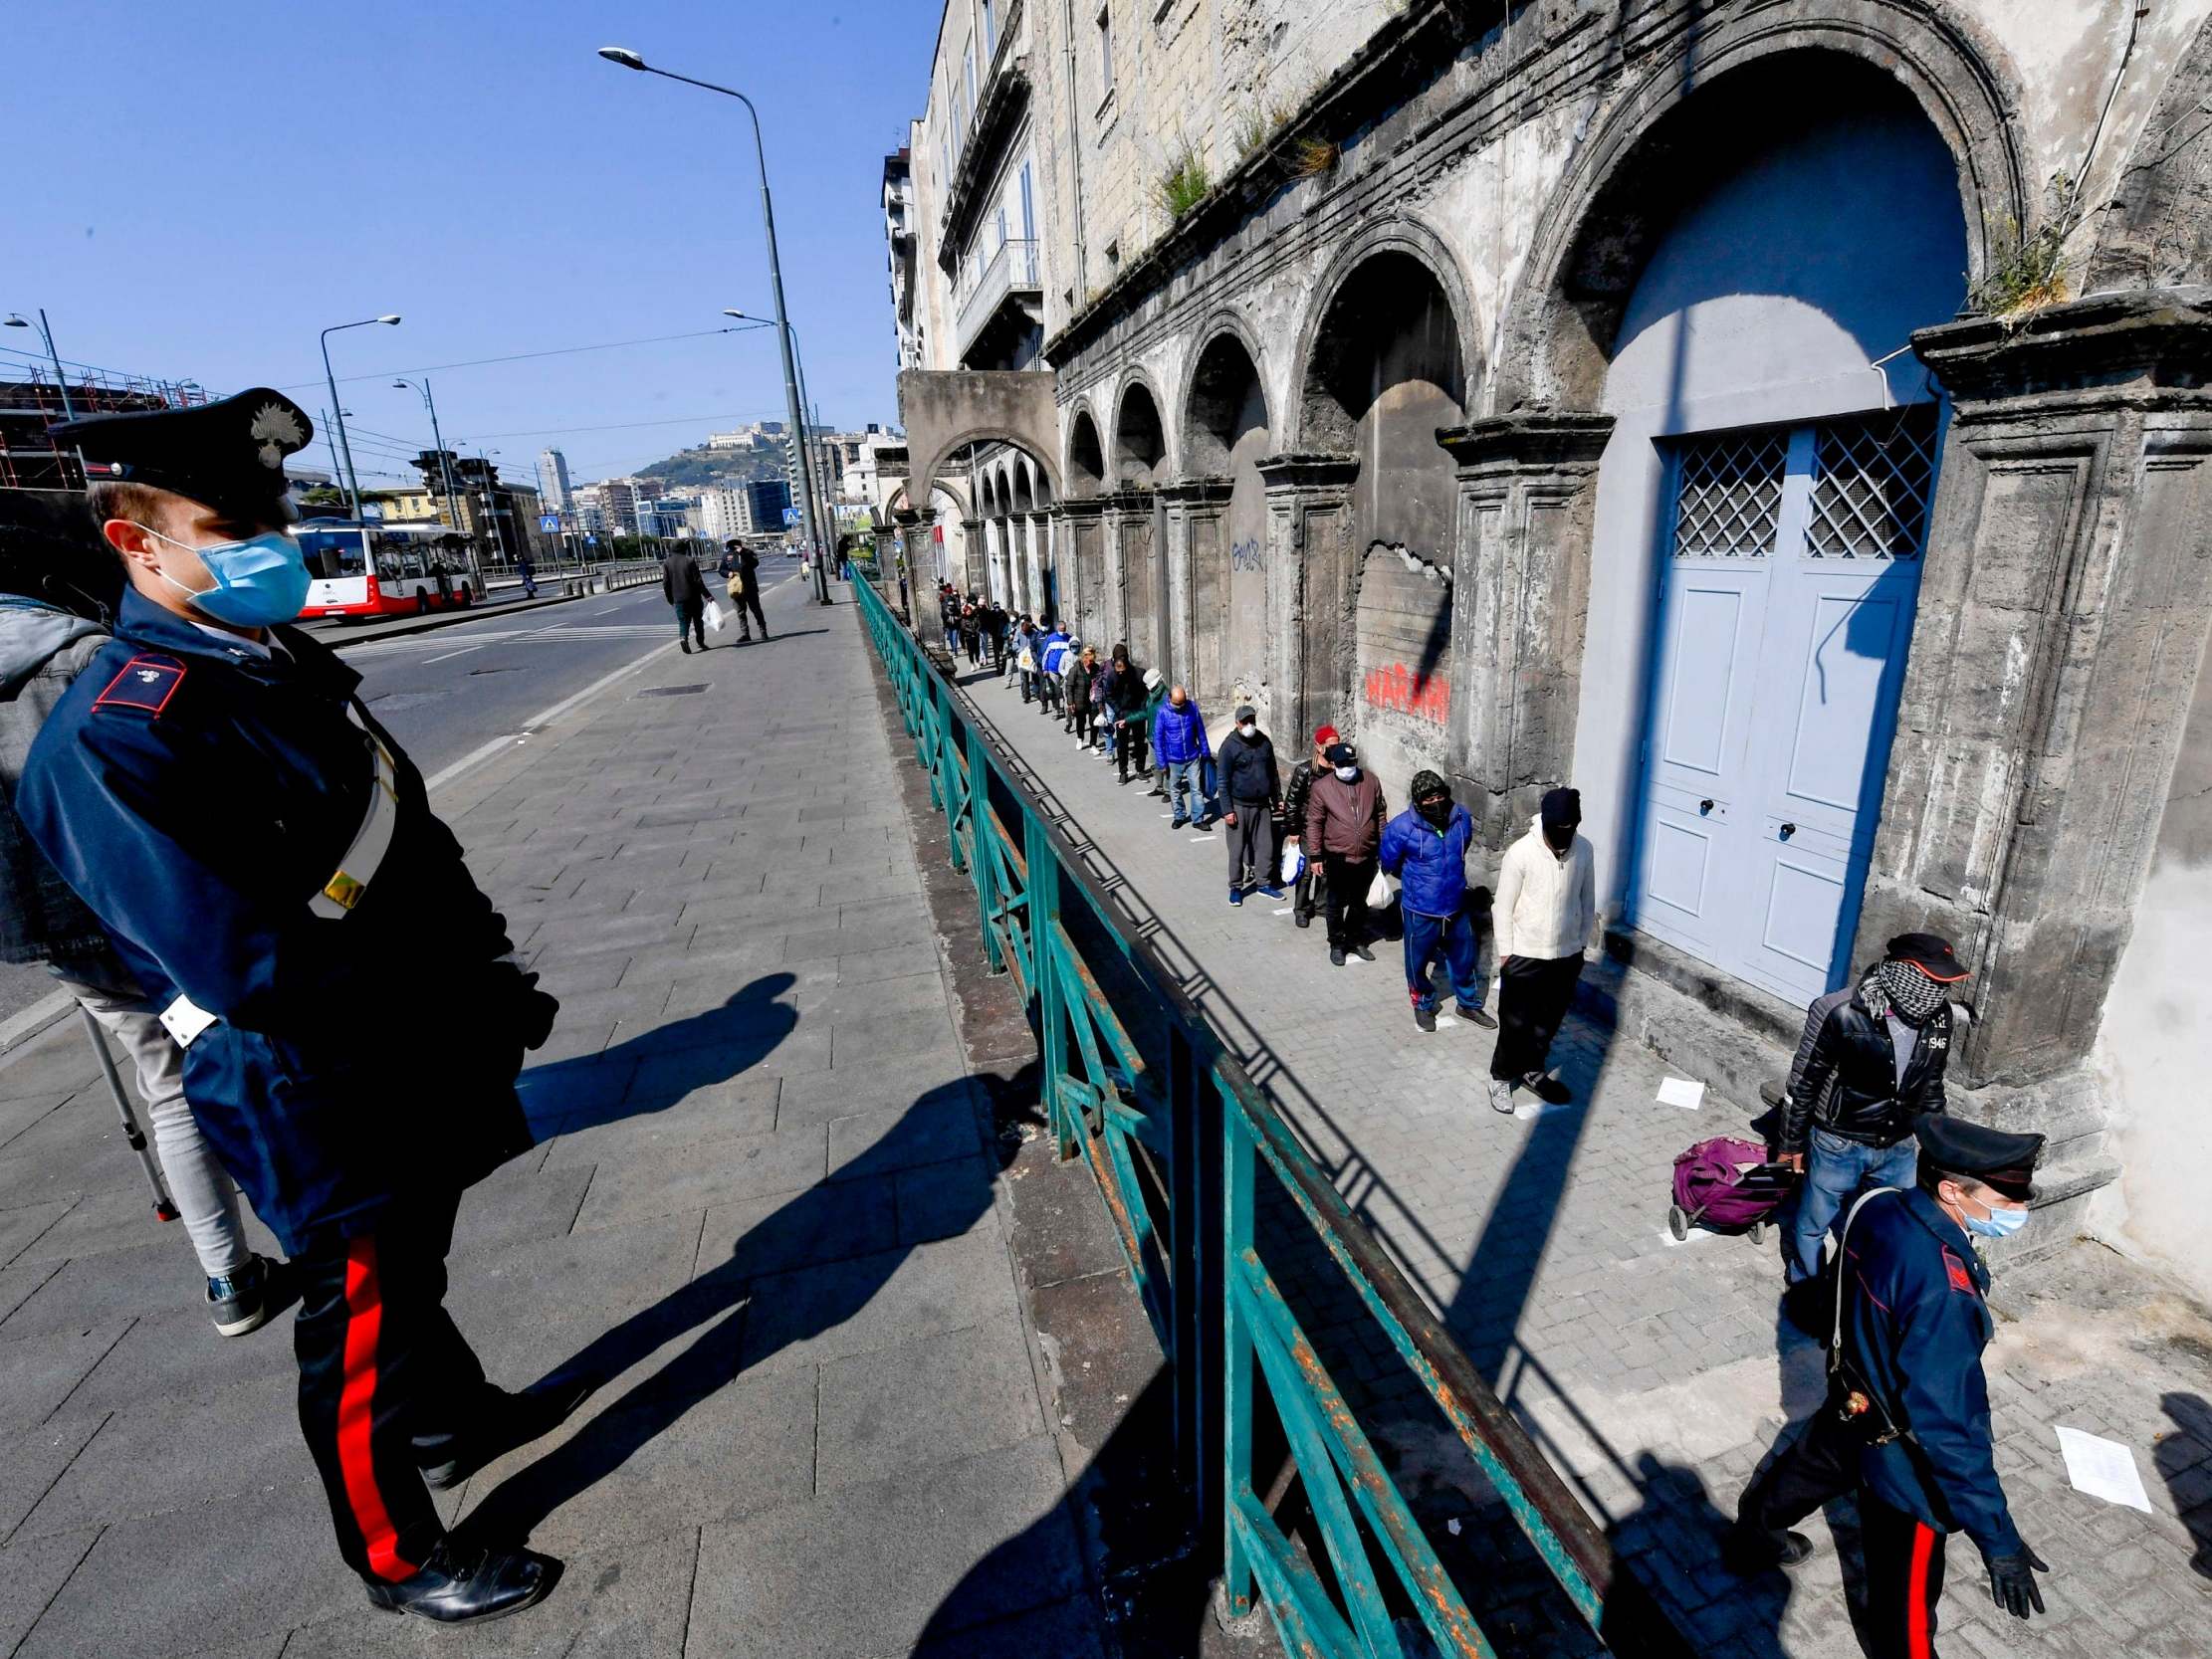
<point x="694" y="469"/>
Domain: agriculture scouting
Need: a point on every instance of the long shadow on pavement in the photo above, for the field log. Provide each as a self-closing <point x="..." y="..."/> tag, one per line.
<point x="811" y="1237"/>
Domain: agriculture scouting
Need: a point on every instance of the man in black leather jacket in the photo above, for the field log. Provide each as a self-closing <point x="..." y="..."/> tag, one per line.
<point x="1305" y="896"/>
<point x="1870" y="1061"/>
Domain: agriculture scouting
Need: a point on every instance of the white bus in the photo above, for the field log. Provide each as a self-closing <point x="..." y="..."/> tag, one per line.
<point x="382" y="569"/>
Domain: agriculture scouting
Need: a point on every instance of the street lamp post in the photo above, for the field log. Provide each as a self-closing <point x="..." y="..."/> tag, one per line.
<point x="16" y="319"/>
<point x="353" y="484"/>
<point x="445" y="471"/>
<point x="630" y="59"/>
<point x="820" y="510"/>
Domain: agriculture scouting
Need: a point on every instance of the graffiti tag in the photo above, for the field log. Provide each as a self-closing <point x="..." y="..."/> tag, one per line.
<point x="1245" y="556"/>
<point x="1426" y="697"/>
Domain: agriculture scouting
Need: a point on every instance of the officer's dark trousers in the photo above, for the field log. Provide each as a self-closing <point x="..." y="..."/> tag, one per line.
<point x="1819" y="1466"/>
<point x="1533" y="994"/>
<point x="387" y="1384"/>
<point x="1904" y="1580"/>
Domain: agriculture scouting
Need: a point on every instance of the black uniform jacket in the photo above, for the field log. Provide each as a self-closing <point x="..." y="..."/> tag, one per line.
<point x="1915" y="1324"/>
<point x="198" y="797"/>
<point x="1845" y="1079"/>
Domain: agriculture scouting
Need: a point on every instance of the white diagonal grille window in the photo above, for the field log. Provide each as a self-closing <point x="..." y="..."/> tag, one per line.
<point x="1870" y="482"/>
<point x="1728" y="494"/>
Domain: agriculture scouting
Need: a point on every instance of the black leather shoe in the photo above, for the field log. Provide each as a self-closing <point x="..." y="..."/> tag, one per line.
<point x="1748" y="1552"/>
<point x="510" y="1420"/>
<point x="1547" y="1088"/>
<point x="469" y="1587"/>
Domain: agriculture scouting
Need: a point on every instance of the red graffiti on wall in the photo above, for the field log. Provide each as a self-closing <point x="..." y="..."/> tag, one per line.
<point x="1426" y="697"/>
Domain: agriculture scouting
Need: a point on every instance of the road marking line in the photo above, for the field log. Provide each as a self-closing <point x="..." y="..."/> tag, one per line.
<point x="499" y="746"/>
<point x="450" y="655"/>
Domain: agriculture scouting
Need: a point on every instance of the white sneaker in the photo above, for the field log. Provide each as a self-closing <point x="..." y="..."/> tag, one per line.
<point x="1501" y="1096"/>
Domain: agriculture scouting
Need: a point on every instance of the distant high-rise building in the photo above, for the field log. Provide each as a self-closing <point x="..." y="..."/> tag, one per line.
<point x="553" y="474"/>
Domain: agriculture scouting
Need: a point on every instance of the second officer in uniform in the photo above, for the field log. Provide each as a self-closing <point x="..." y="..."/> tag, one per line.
<point x="264" y="858"/>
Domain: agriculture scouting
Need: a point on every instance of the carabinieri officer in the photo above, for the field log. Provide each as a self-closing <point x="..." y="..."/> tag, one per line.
<point x="264" y="858"/>
<point x="1906" y="1420"/>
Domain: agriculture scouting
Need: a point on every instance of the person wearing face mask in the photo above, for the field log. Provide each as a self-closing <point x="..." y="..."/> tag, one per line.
<point x="1180" y="745"/>
<point x="1250" y="791"/>
<point x="1906" y="1425"/>
<point x="264" y="858"/>
<point x="1869" y="1064"/>
<point x="1426" y="848"/>
<point x="1547" y="906"/>
<point x="1345" y="813"/>
<point x="1306" y="891"/>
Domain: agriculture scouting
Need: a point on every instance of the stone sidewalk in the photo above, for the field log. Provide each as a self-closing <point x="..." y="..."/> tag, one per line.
<point x="1657" y="1376"/>
<point x="764" y="1211"/>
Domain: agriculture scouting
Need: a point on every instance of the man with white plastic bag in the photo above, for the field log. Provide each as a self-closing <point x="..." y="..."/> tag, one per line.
<point x="685" y="589"/>
<point x="1345" y="814"/>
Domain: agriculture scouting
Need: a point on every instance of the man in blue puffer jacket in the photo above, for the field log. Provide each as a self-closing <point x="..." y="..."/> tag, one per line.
<point x="1426" y="848"/>
<point x="1180" y="748"/>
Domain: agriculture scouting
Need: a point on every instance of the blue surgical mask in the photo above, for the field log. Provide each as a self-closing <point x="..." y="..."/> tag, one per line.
<point x="1997" y="1223"/>
<point x="258" y="582"/>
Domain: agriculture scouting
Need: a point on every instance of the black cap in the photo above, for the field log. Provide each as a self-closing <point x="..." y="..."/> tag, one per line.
<point x="1994" y="1156"/>
<point x="1562" y="808"/>
<point x="1341" y="755"/>
<point x="228" y="455"/>
<point x="1246" y="714"/>
<point x="1930" y="953"/>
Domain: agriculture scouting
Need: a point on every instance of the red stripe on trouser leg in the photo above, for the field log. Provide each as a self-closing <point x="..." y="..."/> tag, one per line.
<point x="1916" y="1644"/>
<point x="357" y="1413"/>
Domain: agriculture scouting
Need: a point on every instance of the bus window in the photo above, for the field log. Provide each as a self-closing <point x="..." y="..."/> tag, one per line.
<point x="331" y="554"/>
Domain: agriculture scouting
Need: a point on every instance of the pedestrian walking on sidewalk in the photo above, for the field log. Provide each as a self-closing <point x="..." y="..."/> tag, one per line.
<point x="1426" y="848"/>
<point x="1306" y="893"/>
<point x="995" y="630"/>
<point x="1906" y="1425"/>
<point x="741" y="571"/>
<point x="970" y="633"/>
<point x="686" y="589"/>
<point x="264" y="857"/>
<point x="44" y="642"/>
<point x="1546" y="908"/>
<point x="947" y="612"/>
<point x="1345" y="813"/>
<point x="1870" y="1065"/>
<point x="1250" y="796"/>
<point x="1179" y="747"/>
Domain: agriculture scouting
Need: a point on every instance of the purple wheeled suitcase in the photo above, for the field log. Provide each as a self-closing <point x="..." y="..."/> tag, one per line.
<point x="1728" y="1186"/>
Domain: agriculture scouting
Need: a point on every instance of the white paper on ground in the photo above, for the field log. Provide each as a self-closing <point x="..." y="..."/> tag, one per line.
<point x="1285" y="911"/>
<point x="2103" y="1467"/>
<point x="1680" y="1091"/>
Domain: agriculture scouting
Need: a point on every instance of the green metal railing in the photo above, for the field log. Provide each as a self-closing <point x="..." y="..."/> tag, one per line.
<point x="1137" y="1082"/>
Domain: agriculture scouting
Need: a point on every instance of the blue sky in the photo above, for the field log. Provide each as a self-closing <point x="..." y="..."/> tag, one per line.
<point x="198" y="189"/>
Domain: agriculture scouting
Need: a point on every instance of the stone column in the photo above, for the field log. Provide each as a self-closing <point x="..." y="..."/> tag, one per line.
<point x="971" y="552"/>
<point x="1040" y="560"/>
<point x="921" y="581"/>
<point x="1310" y="572"/>
<point x="1521" y="594"/>
<point x="1192" y="519"/>
<point x="2063" y="615"/>
<point x="1083" y="566"/>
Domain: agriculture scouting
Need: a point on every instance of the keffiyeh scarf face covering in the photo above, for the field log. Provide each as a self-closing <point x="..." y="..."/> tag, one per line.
<point x="1911" y="994"/>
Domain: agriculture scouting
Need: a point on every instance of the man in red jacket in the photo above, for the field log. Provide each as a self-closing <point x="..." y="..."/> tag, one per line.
<point x="1345" y="814"/>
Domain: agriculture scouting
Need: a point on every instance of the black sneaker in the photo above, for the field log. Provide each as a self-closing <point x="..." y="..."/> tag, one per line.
<point x="1336" y="956"/>
<point x="686" y="644"/>
<point x="240" y="1302"/>
<point x="1748" y="1551"/>
<point x="469" y="1587"/>
<point x="1302" y="919"/>
<point x="1362" y="951"/>
<point x="1475" y="1017"/>
<point x="1426" y="1018"/>
<point x="1547" y="1088"/>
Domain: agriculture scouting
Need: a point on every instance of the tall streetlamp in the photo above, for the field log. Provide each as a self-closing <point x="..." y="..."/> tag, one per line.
<point x="445" y="471"/>
<point x="352" y="485"/>
<point x="16" y="319"/>
<point x="630" y="59"/>
<point x="820" y="511"/>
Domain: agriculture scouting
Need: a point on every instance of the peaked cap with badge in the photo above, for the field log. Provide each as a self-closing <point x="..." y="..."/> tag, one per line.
<point x="228" y="455"/>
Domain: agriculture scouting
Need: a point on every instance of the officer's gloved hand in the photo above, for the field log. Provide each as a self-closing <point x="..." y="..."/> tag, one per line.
<point x="2012" y="1585"/>
<point x="534" y="1010"/>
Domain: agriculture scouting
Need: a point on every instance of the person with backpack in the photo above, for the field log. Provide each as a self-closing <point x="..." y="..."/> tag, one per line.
<point x="58" y="589"/>
<point x="1869" y="1066"/>
<point x="1426" y="848"/>
<point x="1905" y="1424"/>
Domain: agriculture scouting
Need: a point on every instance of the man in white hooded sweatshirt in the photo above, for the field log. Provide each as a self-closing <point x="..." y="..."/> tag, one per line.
<point x="1546" y="906"/>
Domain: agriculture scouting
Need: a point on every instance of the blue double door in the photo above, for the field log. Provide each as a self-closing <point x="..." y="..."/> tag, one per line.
<point x="1789" y="572"/>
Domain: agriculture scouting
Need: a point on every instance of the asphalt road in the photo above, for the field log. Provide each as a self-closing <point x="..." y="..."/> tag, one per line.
<point x="447" y="692"/>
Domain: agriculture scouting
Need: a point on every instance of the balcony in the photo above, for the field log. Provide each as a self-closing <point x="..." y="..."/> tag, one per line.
<point x="1010" y="277"/>
<point x="999" y="107"/>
